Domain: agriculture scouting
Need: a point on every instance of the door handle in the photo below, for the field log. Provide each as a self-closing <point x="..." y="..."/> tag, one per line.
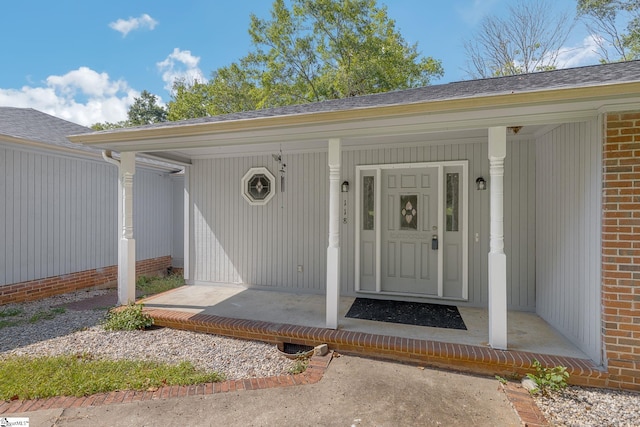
<point x="434" y="242"/>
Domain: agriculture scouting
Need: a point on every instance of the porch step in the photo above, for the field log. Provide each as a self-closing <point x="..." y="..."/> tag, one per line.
<point x="460" y="357"/>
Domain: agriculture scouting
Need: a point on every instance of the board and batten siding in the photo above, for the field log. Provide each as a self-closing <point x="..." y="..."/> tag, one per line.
<point x="58" y="215"/>
<point x="263" y="246"/>
<point x="568" y="187"/>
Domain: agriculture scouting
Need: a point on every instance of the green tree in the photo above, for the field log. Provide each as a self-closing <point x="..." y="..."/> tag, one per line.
<point x="228" y="91"/>
<point x="328" y="49"/>
<point x="312" y="51"/>
<point x="189" y="100"/>
<point x="145" y="110"/>
<point x="109" y="125"/>
<point x="616" y="24"/>
<point x="526" y="40"/>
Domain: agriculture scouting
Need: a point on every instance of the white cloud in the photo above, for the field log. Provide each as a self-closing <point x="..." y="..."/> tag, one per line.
<point x="576" y="56"/>
<point x="124" y="26"/>
<point x="82" y="96"/>
<point x="180" y="64"/>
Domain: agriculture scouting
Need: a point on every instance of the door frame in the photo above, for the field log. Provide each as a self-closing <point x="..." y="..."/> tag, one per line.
<point x="378" y="224"/>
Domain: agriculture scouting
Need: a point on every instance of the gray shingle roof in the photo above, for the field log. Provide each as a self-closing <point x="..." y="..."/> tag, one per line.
<point x="34" y="125"/>
<point x="595" y="75"/>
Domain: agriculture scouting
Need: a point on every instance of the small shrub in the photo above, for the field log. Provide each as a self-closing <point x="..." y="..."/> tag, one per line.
<point x="129" y="318"/>
<point x="300" y="365"/>
<point x="548" y="379"/>
<point x="501" y="379"/>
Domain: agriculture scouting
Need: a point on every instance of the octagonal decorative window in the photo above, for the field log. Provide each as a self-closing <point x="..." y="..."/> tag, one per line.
<point x="258" y="186"/>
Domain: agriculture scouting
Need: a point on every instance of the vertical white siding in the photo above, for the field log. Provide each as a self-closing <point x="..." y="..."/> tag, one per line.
<point x="177" y="250"/>
<point x="58" y="215"/>
<point x="263" y="245"/>
<point x="519" y="214"/>
<point x="260" y="245"/>
<point x="153" y="214"/>
<point x="568" y="239"/>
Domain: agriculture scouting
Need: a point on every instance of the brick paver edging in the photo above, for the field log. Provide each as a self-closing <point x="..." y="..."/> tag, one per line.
<point x="314" y="372"/>
<point x="461" y="357"/>
<point x="524" y="405"/>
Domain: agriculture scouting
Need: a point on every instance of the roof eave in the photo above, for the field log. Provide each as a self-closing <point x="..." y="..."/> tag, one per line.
<point x="504" y="100"/>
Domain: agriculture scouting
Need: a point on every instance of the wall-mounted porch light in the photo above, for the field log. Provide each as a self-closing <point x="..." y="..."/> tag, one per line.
<point x="481" y="184"/>
<point x="345" y="187"/>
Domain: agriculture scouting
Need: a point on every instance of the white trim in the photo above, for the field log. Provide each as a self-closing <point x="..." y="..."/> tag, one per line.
<point x="333" y="249"/>
<point x="245" y="180"/>
<point x="441" y="190"/>
<point x="378" y="219"/>
<point x="497" y="267"/>
<point x="465" y="233"/>
<point x="357" y="209"/>
<point x="186" y="265"/>
<point x="378" y="224"/>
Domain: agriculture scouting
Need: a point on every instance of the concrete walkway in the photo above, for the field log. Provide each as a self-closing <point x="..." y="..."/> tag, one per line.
<point x="353" y="391"/>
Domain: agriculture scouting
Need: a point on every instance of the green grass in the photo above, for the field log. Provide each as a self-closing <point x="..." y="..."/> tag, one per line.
<point x="11" y="312"/>
<point x="18" y="316"/>
<point x="154" y="285"/>
<point x="47" y="314"/>
<point x="80" y="375"/>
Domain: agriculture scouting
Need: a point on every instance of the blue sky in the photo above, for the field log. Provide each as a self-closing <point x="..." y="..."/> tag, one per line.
<point x="85" y="61"/>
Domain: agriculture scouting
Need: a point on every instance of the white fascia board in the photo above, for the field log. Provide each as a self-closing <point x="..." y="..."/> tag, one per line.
<point x="299" y="130"/>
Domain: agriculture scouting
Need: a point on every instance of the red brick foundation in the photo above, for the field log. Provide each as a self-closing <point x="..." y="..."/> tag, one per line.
<point x="97" y="278"/>
<point x="621" y="249"/>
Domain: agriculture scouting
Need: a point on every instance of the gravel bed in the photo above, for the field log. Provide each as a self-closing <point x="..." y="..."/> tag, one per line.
<point x="587" y="407"/>
<point x="79" y="331"/>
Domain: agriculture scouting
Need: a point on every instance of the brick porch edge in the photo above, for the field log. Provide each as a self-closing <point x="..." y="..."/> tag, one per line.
<point x="460" y="357"/>
<point x="314" y="372"/>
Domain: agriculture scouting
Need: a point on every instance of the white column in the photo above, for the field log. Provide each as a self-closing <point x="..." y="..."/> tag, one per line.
<point x="333" y="251"/>
<point x="127" y="244"/>
<point x="187" y="268"/>
<point x="497" y="257"/>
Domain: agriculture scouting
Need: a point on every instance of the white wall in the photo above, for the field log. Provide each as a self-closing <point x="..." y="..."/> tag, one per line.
<point x="568" y="193"/>
<point x="58" y="214"/>
<point x="234" y="242"/>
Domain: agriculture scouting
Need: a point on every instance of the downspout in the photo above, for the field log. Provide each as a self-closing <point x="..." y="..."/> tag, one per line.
<point x="108" y="157"/>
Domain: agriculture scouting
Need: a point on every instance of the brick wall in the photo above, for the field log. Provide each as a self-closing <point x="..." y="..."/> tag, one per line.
<point x="621" y="249"/>
<point x="98" y="278"/>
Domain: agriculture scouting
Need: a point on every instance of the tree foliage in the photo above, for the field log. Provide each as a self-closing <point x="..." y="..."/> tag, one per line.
<point x="616" y="23"/>
<point x="145" y="110"/>
<point x="312" y="51"/>
<point x="526" y="40"/>
<point x="109" y="125"/>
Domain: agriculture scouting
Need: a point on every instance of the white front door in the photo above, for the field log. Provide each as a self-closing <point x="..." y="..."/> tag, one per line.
<point x="411" y="236"/>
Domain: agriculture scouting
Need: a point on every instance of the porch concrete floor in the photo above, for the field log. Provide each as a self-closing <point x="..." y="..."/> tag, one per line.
<point x="526" y="331"/>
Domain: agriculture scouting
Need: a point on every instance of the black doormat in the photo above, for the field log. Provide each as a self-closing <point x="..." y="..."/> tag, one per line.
<point x="407" y="313"/>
